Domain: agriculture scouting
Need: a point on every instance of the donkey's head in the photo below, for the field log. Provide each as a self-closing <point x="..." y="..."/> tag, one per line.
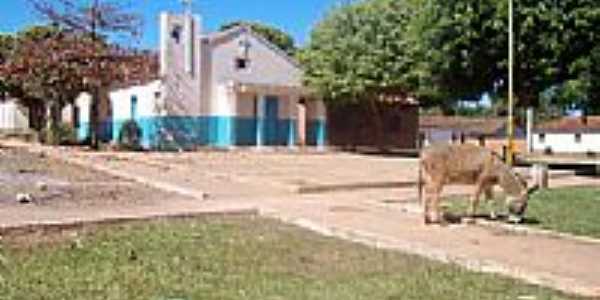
<point x="518" y="194"/>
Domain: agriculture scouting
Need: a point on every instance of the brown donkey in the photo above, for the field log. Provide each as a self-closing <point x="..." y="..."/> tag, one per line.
<point x="467" y="164"/>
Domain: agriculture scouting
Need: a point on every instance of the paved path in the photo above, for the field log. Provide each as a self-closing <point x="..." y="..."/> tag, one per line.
<point x="380" y="218"/>
<point x="15" y="217"/>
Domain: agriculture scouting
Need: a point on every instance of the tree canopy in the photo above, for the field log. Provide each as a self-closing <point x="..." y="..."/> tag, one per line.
<point x="447" y="50"/>
<point x="272" y="34"/>
<point x="96" y="20"/>
<point x="361" y="49"/>
<point x="467" y="44"/>
<point x="6" y="47"/>
<point x="49" y="66"/>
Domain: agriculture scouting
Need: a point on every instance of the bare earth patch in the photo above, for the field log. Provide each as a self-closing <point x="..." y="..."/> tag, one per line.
<point x="54" y="183"/>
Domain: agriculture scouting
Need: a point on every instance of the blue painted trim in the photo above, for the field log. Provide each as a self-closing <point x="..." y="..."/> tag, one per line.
<point x="106" y="131"/>
<point x="222" y="127"/>
<point x="169" y="133"/>
<point x="83" y="131"/>
<point x="292" y="136"/>
<point x="272" y="126"/>
<point x="316" y="134"/>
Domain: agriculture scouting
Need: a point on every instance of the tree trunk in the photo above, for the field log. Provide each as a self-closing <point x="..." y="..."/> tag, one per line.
<point x="52" y="121"/>
<point x="74" y="114"/>
<point x="94" y="120"/>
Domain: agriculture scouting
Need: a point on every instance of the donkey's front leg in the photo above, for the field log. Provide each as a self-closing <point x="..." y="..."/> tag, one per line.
<point x="474" y="204"/>
<point x="489" y="197"/>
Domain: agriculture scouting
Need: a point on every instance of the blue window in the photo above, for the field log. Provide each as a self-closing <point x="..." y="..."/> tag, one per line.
<point x="134" y="102"/>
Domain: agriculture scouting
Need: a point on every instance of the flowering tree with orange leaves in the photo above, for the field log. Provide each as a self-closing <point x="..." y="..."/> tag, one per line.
<point x="53" y="64"/>
<point x="50" y="67"/>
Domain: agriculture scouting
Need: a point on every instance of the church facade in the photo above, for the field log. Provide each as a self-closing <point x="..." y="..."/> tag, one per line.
<point x="226" y="89"/>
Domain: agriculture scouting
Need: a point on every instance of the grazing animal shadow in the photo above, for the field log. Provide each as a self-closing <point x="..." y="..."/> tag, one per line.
<point x="453" y="218"/>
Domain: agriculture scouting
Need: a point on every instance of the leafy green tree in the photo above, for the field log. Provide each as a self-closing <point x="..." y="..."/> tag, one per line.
<point x="363" y="50"/>
<point x="364" y="53"/>
<point x="466" y="45"/>
<point x="272" y="34"/>
<point x="441" y="51"/>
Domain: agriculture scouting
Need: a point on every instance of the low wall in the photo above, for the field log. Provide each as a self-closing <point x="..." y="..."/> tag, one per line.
<point x="352" y="125"/>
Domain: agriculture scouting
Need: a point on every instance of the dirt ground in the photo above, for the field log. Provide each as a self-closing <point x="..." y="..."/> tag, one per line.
<point x="54" y="183"/>
<point x="269" y="183"/>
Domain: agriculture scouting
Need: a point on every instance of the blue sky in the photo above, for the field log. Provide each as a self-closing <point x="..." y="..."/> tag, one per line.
<point x="296" y="17"/>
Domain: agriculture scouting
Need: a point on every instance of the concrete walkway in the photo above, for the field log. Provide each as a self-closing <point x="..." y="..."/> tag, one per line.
<point x="569" y="265"/>
<point x="373" y="217"/>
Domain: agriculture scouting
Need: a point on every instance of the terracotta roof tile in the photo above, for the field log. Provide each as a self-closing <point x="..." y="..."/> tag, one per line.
<point x="571" y="124"/>
<point x="468" y="125"/>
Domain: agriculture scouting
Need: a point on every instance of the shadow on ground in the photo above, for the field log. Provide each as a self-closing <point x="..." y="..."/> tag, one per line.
<point x="454" y="218"/>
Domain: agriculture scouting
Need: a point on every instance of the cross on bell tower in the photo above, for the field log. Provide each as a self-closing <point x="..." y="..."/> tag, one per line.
<point x="188" y="4"/>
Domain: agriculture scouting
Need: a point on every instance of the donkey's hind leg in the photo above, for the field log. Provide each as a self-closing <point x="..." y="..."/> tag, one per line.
<point x="474" y="201"/>
<point x="432" y="203"/>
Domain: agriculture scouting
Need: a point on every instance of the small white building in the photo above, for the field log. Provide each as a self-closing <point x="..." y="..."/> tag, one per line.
<point x="13" y="116"/>
<point x="568" y="135"/>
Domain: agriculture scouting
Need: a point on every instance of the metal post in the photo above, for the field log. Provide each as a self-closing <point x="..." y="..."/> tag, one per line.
<point x="540" y="176"/>
<point x="511" y="129"/>
<point x="530" y="125"/>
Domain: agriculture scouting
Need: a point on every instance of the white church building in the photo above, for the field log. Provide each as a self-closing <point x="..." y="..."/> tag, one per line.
<point x="226" y="89"/>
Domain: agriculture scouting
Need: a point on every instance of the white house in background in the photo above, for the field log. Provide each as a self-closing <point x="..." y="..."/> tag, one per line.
<point x="226" y="89"/>
<point x="13" y="116"/>
<point x="568" y="135"/>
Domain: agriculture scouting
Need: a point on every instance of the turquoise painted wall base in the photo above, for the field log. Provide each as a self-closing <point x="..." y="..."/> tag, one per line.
<point x="171" y="133"/>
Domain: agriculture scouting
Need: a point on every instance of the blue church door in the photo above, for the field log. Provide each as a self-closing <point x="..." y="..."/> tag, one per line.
<point x="270" y="126"/>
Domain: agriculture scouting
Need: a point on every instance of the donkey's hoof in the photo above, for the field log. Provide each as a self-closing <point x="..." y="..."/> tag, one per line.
<point x="427" y="221"/>
<point x="432" y="221"/>
<point x="494" y="216"/>
<point x="468" y="220"/>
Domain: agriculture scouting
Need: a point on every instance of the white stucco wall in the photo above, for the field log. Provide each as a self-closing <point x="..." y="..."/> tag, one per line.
<point x="148" y="105"/>
<point x="180" y="66"/>
<point x="565" y="142"/>
<point x="83" y="103"/>
<point x="245" y="105"/>
<point x="287" y="108"/>
<point x="13" y="116"/>
<point x="267" y="66"/>
<point x="223" y="101"/>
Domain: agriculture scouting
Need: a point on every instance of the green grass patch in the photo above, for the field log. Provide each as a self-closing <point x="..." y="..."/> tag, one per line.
<point x="240" y="257"/>
<point x="567" y="210"/>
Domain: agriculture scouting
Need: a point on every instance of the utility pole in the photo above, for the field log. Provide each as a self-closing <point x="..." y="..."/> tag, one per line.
<point x="94" y="111"/>
<point x="511" y="124"/>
